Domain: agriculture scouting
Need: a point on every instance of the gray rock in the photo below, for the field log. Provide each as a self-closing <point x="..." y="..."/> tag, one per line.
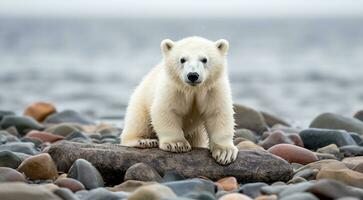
<point x="65" y="194"/>
<point x="11" y="191"/>
<point x="249" y="118"/>
<point x="67" y="116"/>
<point x="300" y="196"/>
<point x="63" y="129"/>
<point x="10" y="175"/>
<point x="335" y="121"/>
<point x="181" y="188"/>
<point x="4" y="113"/>
<point x="21" y="147"/>
<point x="351" y="150"/>
<point x="359" y="115"/>
<point x="22" y="124"/>
<point x="100" y="194"/>
<point x="274" y="189"/>
<point x="142" y="172"/>
<point x="78" y="136"/>
<point x="86" y="173"/>
<point x="308" y="174"/>
<point x="172" y="176"/>
<point x="272" y="120"/>
<point x="314" y="138"/>
<point x="300" y="187"/>
<point x="203" y="195"/>
<point x="252" y="189"/>
<point x="245" y="133"/>
<point x="114" y="160"/>
<point x="332" y="189"/>
<point x="9" y="159"/>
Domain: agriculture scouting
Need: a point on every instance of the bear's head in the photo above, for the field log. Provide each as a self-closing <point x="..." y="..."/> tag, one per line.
<point x="195" y="61"/>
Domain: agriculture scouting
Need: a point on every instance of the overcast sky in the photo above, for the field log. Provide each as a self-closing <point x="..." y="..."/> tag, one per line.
<point x="182" y="8"/>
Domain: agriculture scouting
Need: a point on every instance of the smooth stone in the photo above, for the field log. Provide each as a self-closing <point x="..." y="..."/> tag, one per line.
<point x="114" y="160"/>
<point x="142" y="172"/>
<point x="9" y="159"/>
<point x="285" y="129"/>
<point x="296" y="166"/>
<point x="65" y="194"/>
<point x="68" y="116"/>
<point x="4" y="113"/>
<point x="100" y="194"/>
<point x="307" y="174"/>
<point x="335" y="121"/>
<point x="50" y="186"/>
<point x="95" y="136"/>
<point x="339" y="172"/>
<point x="172" y="176"/>
<point x="317" y="165"/>
<point x="109" y="130"/>
<point x="248" y="145"/>
<point x="358" y="168"/>
<point x="351" y="150"/>
<point x="22" y="156"/>
<point x="129" y="186"/>
<point x="39" y="110"/>
<point x="35" y="141"/>
<point x="70" y="183"/>
<point x="272" y="120"/>
<point x="249" y="118"/>
<point x="22" y="191"/>
<point x="273" y="189"/>
<point x="245" y="133"/>
<point x="252" y="189"/>
<point x="266" y="197"/>
<point x="86" y="173"/>
<point x="78" y="136"/>
<point x="22" y="124"/>
<point x="279" y="137"/>
<point x="39" y="166"/>
<point x="325" y="156"/>
<point x="316" y="138"/>
<point x="356" y="137"/>
<point x="3" y="139"/>
<point x="200" y="196"/>
<point x="152" y="192"/>
<point x="358" y="115"/>
<point x="63" y="129"/>
<point x="13" y="131"/>
<point x="235" y="196"/>
<point x="196" y="184"/>
<point x="332" y="189"/>
<point x="300" y="196"/>
<point x="292" y="189"/>
<point x="296" y="180"/>
<point x="21" y="147"/>
<point x="331" y="149"/>
<point x="293" y="153"/>
<point x="108" y="141"/>
<point x="353" y="161"/>
<point x="44" y="136"/>
<point x="10" y="175"/>
<point x="228" y="183"/>
<point x="6" y="137"/>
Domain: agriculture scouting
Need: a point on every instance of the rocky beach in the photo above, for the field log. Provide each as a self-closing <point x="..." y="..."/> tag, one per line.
<point x="46" y="153"/>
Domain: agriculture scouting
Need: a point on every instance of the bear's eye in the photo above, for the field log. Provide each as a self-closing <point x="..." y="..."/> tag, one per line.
<point x="182" y="60"/>
<point x="204" y="60"/>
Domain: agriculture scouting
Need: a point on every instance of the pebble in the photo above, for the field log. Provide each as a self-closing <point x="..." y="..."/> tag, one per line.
<point x="335" y="121"/>
<point x="266" y="197"/>
<point x="70" y="183"/>
<point x="228" y="183"/>
<point x="39" y="166"/>
<point x="279" y="137"/>
<point x="248" y="145"/>
<point x="21" y="147"/>
<point x="249" y="118"/>
<point x="142" y="172"/>
<point x="22" y="124"/>
<point x="63" y="129"/>
<point x="316" y="138"/>
<point x="300" y="196"/>
<point x="86" y="173"/>
<point x="292" y="153"/>
<point x="10" y="175"/>
<point x="252" y="189"/>
<point x="67" y="116"/>
<point x="296" y="180"/>
<point x="39" y="110"/>
<point x="272" y="120"/>
<point x="245" y="133"/>
<point x="152" y="192"/>
<point x="200" y="196"/>
<point x="353" y="161"/>
<point x="196" y="184"/>
<point x="12" y="191"/>
<point x="100" y="194"/>
<point x="307" y="174"/>
<point x="172" y="176"/>
<point x="129" y="186"/>
<point x="325" y="156"/>
<point x="332" y="189"/>
<point x="35" y="141"/>
<point x="357" y="115"/>
<point x="9" y="159"/>
<point x="44" y="136"/>
<point x="4" y="113"/>
<point x="78" y="136"/>
<point x="296" y="188"/>
<point x="65" y="194"/>
<point x="331" y="149"/>
<point x="235" y="196"/>
<point x="351" y="150"/>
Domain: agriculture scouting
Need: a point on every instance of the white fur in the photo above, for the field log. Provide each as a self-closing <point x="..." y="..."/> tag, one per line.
<point x="165" y="107"/>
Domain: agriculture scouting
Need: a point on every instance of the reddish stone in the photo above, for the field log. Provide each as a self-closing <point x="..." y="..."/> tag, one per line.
<point x="40" y="110"/>
<point x="228" y="183"/>
<point x="44" y="136"/>
<point x="293" y="153"/>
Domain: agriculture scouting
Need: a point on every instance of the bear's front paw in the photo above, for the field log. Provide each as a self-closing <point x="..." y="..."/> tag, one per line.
<point x="224" y="154"/>
<point x="178" y="146"/>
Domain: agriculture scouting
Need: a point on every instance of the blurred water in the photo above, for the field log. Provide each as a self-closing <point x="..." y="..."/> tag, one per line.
<point x="294" y="68"/>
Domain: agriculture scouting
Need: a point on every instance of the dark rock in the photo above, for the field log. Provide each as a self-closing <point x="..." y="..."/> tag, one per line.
<point x="356" y="137"/>
<point x="10" y="175"/>
<point x="300" y="187"/>
<point x="63" y="129"/>
<point x="317" y="138"/>
<point x="67" y="116"/>
<point x="335" y="121"/>
<point x="142" y="172"/>
<point x="272" y="120"/>
<point x="22" y="124"/>
<point x="114" y="160"/>
<point x="12" y="191"/>
<point x="69" y="183"/>
<point x="80" y="137"/>
<point x="357" y="115"/>
<point x="4" y="113"/>
<point x="351" y="150"/>
<point x="249" y="118"/>
<point x="189" y="185"/>
<point x="35" y="141"/>
<point x="252" y="189"/>
<point x="65" y="194"/>
<point x="22" y="147"/>
<point x="86" y="173"/>
<point x="9" y="159"/>
<point x="172" y="176"/>
<point x="39" y="167"/>
<point x="331" y="189"/>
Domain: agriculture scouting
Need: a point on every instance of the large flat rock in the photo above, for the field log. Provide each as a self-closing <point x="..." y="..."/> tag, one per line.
<point x="113" y="161"/>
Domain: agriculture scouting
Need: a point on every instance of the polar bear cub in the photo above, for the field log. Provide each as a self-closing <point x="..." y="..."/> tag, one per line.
<point x="184" y="102"/>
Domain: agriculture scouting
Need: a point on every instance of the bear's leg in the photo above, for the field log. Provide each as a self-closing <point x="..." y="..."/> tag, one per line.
<point x="221" y="138"/>
<point x="138" y="131"/>
<point x="198" y="137"/>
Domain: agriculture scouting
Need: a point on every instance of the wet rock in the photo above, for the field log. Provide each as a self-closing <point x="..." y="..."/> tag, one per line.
<point x="152" y="192"/>
<point x="100" y="194"/>
<point x="228" y="183"/>
<point x="248" y="145"/>
<point x="10" y="175"/>
<point x="9" y="159"/>
<point x="331" y="189"/>
<point x="351" y="150"/>
<point x="317" y="138"/>
<point x="67" y="116"/>
<point x="114" y="160"/>
<point x="249" y="118"/>
<point x="22" y="124"/>
<point x="44" y="136"/>
<point x="279" y="137"/>
<point x="39" y="167"/>
<point x="331" y="149"/>
<point x="65" y="194"/>
<point x="63" y="129"/>
<point x="356" y="137"/>
<point x="357" y="115"/>
<point x="252" y="189"/>
<point x="86" y="173"/>
<point x="335" y="121"/>
<point x="292" y="189"/>
<point x="274" y="189"/>
<point x="35" y="141"/>
<point x="300" y="196"/>
<point x="272" y="120"/>
<point x="235" y="196"/>
<point x="10" y="191"/>
<point x="21" y="147"/>
<point x="292" y="153"/>
<point x="69" y="183"/>
<point x="189" y="185"/>
<point x="142" y="172"/>
<point x="245" y="133"/>
<point x="39" y="110"/>
<point x="4" y="113"/>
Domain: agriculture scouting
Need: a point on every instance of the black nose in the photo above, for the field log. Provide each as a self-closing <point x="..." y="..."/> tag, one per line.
<point x="193" y="76"/>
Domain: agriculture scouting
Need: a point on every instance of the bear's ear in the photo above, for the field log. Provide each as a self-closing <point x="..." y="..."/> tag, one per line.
<point x="166" y="45"/>
<point x="222" y="45"/>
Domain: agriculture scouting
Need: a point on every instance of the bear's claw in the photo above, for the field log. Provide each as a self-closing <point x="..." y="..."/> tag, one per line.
<point x="224" y="155"/>
<point x="176" y="146"/>
<point x="147" y="143"/>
